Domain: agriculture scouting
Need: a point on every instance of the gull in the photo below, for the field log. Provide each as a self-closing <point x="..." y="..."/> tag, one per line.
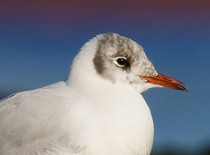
<point x="98" y="110"/>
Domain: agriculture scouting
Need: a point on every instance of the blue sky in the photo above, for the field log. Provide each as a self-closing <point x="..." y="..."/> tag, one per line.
<point x="39" y="41"/>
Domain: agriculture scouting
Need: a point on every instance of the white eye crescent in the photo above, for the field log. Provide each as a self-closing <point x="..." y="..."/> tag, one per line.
<point x="121" y="62"/>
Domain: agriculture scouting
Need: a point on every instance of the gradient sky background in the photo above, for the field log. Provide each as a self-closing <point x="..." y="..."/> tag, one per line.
<point x="39" y="39"/>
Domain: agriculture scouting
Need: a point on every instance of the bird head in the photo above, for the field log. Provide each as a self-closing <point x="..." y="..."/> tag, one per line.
<point x="118" y="59"/>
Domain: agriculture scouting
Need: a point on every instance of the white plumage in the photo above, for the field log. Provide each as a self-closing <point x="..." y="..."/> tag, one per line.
<point x="98" y="111"/>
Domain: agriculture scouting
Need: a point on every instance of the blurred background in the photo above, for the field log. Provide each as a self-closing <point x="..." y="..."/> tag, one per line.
<point x="39" y="39"/>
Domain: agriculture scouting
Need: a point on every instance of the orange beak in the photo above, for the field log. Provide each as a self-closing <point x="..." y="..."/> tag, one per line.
<point x="165" y="81"/>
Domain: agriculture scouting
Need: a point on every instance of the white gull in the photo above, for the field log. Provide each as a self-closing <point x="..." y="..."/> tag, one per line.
<point x="98" y="110"/>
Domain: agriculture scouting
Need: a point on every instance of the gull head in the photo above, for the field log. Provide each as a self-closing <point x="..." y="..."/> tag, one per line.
<point x="116" y="59"/>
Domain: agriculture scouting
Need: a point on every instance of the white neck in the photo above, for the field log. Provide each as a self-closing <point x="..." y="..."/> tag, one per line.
<point x="82" y="64"/>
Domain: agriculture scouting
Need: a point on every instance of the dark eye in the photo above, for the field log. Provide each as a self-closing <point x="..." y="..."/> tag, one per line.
<point x="122" y="62"/>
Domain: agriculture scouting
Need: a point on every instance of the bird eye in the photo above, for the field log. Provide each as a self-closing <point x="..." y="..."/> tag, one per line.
<point x="122" y="62"/>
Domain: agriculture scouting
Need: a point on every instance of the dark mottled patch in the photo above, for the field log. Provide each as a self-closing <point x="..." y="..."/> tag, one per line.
<point x="123" y="46"/>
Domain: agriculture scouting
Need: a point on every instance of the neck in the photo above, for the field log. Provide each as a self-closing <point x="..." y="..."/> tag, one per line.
<point x="82" y="64"/>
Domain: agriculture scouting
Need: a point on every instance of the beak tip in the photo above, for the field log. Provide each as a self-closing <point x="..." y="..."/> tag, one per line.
<point x="186" y="89"/>
<point x="182" y="87"/>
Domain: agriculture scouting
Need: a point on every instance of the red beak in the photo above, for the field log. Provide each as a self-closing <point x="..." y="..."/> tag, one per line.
<point x="165" y="81"/>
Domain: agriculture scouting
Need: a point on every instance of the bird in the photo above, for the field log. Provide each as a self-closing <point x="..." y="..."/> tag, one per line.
<point x="97" y="110"/>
